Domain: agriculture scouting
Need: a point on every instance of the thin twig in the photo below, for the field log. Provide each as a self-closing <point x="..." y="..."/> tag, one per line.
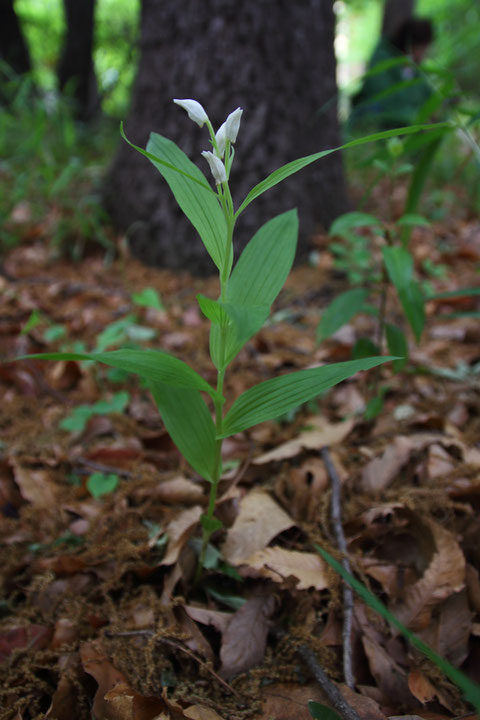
<point x="333" y="694"/>
<point x="100" y="467"/>
<point x="342" y="546"/>
<point x="178" y="646"/>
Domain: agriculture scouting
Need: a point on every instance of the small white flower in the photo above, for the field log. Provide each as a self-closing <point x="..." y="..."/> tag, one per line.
<point x="216" y="166"/>
<point x="232" y="124"/>
<point x="195" y="111"/>
<point x="221" y="140"/>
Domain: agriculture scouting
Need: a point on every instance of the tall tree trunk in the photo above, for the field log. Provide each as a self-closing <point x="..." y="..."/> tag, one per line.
<point x="75" y="71"/>
<point x="273" y="58"/>
<point x="395" y="12"/>
<point x="13" y="48"/>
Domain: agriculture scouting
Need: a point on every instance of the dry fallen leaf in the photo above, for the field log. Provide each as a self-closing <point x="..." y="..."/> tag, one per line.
<point x="179" y="531"/>
<point x="279" y="564"/>
<point x="244" y="640"/>
<point x="444" y="575"/>
<point x="323" y="433"/>
<point x="381" y="471"/>
<point x="259" y="520"/>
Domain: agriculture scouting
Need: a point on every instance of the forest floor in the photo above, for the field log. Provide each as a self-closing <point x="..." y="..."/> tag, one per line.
<point x="100" y="616"/>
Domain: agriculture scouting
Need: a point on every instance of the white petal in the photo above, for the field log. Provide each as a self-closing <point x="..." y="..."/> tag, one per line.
<point x="195" y="111"/>
<point x="221" y="140"/>
<point x="232" y="124"/>
<point x="216" y="166"/>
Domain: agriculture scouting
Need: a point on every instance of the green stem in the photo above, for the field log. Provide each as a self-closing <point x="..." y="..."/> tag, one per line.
<point x="218" y="403"/>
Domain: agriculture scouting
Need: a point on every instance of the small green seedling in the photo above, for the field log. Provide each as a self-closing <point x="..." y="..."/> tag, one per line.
<point x="79" y="417"/>
<point x="99" y="484"/>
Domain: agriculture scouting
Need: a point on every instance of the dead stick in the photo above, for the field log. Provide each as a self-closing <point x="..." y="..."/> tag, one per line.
<point x="342" y="546"/>
<point x="330" y="689"/>
<point x="333" y="694"/>
<point x="178" y="646"/>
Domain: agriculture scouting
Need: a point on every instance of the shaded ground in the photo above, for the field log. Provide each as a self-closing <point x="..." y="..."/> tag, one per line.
<point x="100" y="616"/>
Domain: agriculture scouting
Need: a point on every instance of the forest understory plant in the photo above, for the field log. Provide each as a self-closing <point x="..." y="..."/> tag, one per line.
<point x="246" y="295"/>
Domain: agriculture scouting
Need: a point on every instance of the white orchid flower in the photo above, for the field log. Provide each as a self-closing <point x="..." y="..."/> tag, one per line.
<point x="221" y="141"/>
<point x="216" y="166"/>
<point x="228" y="131"/>
<point x="232" y="125"/>
<point x="195" y="111"/>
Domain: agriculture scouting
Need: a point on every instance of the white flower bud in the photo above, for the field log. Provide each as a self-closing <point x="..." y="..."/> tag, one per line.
<point x="221" y="139"/>
<point x="232" y="125"/>
<point x="195" y="111"/>
<point x="216" y="166"/>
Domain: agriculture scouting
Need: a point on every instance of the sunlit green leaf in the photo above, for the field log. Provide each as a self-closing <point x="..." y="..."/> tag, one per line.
<point x="275" y="397"/>
<point x="399" y="264"/>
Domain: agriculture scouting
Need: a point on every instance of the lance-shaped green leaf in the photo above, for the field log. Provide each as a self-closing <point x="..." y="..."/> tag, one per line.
<point x="399" y="264"/>
<point x="193" y="194"/>
<point x="275" y="397"/>
<point x="189" y="424"/>
<point x="296" y="165"/>
<point x="397" y="345"/>
<point x="340" y="311"/>
<point x="256" y="280"/>
<point x="151" y="365"/>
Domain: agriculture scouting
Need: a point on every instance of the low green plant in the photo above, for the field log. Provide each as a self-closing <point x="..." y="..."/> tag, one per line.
<point x="246" y="295"/>
<point x="471" y="690"/>
<point x="395" y="269"/>
<point x="100" y="484"/>
<point x="79" y="417"/>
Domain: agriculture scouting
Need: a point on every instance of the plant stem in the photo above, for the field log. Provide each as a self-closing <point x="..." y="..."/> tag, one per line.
<point x="207" y="527"/>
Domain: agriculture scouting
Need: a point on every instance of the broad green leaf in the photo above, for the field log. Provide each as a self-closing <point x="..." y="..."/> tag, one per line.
<point x="193" y="194"/>
<point x="99" y="484"/>
<point x="296" y="165"/>
<point x="214" y="310"/>
<point x="470" y="689"/>
<point x="399" y="264"/>
<point x="322" y="712"/>
<point x="397" y="345"/>
<point x="256" y="280"/>
<point x="263" y="266"/>
<point x="189" y="424"/>
<point x="275" y="397"/>
<point x="340" y="311"/>
<point x="351" y="220"/>
<point x="151" y="365"/>
<point x="148" y="297"/>
<point x="423" y="165"/>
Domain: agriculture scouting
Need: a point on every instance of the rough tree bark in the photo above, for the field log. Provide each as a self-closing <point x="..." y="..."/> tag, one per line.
<point x="275" y="59"/>
<point x="13" y="48"/>
<point x="395" y="12"/>
<point x="75" y="70"/>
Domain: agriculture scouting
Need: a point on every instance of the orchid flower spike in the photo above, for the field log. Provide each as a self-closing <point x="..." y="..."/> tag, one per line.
<point x="216" y="166"/>
<point x="195" y="111"/>
<point x="228" y="131"/>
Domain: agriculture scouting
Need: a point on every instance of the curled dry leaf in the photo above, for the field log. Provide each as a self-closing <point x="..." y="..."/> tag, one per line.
<point x="322" y="433"/>
<point x="244" y="640"/>
<point x="96" y="663"/>
<point x="389" y="676"/>
<point x="444" y="576"/>
<point x="179" y="531"/>
<point x="38" y="486"/>
<point x="279" y="564"/>
<point x="381" y="471"/>
<point x="218" y="619"/>
<point x="259" y="520"/>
